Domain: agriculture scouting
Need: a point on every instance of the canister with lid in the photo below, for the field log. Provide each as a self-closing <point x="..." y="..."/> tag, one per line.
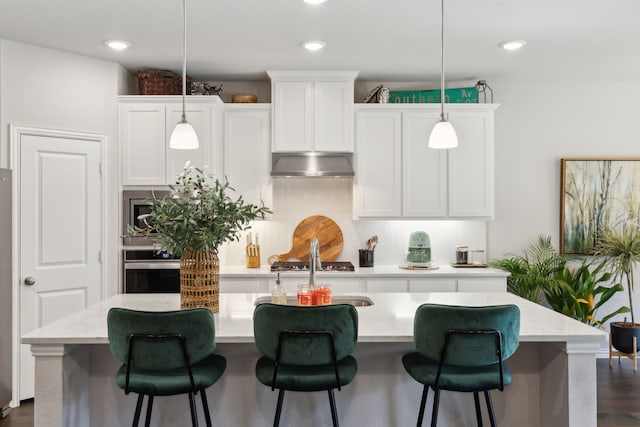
<point x="462" y="254"/>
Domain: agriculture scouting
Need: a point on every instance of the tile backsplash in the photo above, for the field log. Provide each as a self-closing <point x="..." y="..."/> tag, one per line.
<point x="297" y="198"/>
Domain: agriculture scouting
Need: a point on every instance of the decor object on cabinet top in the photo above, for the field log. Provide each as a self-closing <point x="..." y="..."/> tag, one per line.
<point x="184" y="136"/>
<point x="202" y="88"/>
<point x="443" y="135"/>
<point x="160" y="82"/>
<point x="483" y="88"/>
<point x="192" y="221"/>
<point x="596" y="194"/>
<point x="372" y="95"/>
<point x="244" y="98"/>
<point x="462" y="95"/>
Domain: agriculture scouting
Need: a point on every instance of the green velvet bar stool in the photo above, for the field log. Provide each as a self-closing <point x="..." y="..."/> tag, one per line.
<point x="165" y="353"/>
<point x="462" y="349"/>
<point x="306" y="349"/>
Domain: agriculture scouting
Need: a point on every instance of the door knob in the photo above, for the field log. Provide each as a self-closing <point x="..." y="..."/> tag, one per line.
<point x="30" y="281"/>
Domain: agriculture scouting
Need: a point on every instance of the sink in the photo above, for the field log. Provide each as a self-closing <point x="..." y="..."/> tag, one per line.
<point x="354" y="300"/>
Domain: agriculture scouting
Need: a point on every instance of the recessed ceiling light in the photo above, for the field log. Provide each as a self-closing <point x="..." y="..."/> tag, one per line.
<point x="314" y="45"/>
<point x="315" y="1"/>
<point x="117" y="44"/>
<point x="513" y="44"/>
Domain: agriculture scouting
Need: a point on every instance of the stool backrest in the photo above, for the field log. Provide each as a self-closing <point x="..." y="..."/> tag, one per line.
<point x="195" y="325"/>
<point x="270" y="320"/>
<point x="433" y="321"/>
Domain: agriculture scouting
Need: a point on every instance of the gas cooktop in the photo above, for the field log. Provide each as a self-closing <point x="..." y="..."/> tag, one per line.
<point x="304" y="266"/>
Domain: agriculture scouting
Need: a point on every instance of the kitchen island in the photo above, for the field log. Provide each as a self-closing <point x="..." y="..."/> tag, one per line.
<point x="554" y="373"/>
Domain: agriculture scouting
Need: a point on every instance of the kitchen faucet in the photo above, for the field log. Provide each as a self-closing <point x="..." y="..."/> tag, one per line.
<point x="314" y="261"/>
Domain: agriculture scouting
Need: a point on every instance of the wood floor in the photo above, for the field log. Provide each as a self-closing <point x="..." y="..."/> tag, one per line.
<point x="618" y="398"/>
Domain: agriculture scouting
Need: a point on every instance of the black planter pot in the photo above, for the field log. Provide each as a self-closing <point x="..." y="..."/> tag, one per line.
<point x="622" y="336"/>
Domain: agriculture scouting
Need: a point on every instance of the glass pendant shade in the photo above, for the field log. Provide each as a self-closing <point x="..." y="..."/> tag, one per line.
<point x="443" y="135"/>
<point x="183" y="137"/>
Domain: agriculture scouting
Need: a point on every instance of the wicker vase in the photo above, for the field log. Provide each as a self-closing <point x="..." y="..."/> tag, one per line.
<point x="199" y="280"/>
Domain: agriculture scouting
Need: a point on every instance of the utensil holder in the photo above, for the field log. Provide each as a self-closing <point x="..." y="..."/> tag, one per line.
<point x="365" y="258"/>
<point x="253" y="256"/>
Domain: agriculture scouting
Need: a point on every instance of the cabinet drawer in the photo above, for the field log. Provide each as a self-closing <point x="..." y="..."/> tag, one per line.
<point x="482" y="285"/>
<point x="240" y="286"/>
<point x="338" y="285"/>
<point x="431" y="285"/>
<point x="386" y="285"/>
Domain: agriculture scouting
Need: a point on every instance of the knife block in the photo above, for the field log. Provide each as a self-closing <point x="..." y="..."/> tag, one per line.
<point x="252" y="256"/>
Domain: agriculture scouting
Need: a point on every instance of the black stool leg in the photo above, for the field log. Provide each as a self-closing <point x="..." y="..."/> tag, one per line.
<point x="423" y="403"/>
<point x="136" y="416"/>
<point x="192" y="406"/>
<point x="147" y="421"/>
<point x="436" y="403"/>
<point x="492" y="417"/>
<point x="205" y="406"/>
<point x="276" y="420"/>
<point x="476" y="401"/>
<point x="334" y="412"/>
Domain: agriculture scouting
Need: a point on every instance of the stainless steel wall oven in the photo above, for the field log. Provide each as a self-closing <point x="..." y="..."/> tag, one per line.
<point x="134" y="204"/>
<point x="147" y="271"/>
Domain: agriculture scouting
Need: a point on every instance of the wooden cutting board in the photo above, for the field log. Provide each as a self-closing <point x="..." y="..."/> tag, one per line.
<point x="321" y="227"/>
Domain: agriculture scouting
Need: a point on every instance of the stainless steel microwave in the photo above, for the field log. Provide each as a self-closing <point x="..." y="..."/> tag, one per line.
<point x="134" y="204"/>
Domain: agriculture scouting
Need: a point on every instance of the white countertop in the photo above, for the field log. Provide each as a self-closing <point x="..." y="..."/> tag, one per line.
<point x="390" y="319"/>
<point x="381" y="271"/>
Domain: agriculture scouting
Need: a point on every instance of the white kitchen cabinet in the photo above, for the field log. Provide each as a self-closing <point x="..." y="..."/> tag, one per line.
<point x="312" y="111"/>
<point x="482" y="285"/>
<point x="386" y="285"/>
<point x="146" y="123"/>
<point x="433" y="285"/>
<point x="471" y="165"/>
<point x="339" y="285"/>
<point x="378" y="180"/>
<point x="240" y="286"/>
<point x="398" y="176"/>
<point x="246" y="144"/>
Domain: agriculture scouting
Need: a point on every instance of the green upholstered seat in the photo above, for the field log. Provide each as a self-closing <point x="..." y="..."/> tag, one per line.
<point x="165" y="353"/>
<point x="462" y="349"/>
<point x="306" y="349"/>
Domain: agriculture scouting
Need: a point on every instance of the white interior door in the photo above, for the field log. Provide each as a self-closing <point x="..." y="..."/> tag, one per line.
<point x="60" y="231"/>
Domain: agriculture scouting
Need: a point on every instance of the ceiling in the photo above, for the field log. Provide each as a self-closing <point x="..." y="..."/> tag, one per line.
<point x="385" y="40"/>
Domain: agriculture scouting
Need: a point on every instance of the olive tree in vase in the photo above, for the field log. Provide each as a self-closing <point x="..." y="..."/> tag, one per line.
<point x="192" y="221"/>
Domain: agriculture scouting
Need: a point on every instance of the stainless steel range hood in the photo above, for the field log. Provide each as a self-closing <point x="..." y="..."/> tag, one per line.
<point x="312" y="164"/>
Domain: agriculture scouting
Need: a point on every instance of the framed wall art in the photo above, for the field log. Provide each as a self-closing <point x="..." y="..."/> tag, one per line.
<point x="596" y="194"/>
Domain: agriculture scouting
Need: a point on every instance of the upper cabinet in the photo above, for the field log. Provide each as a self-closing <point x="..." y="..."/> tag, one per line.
<point x="146" y="123"/>
<point x="247" y="152"/>
<point x="398" y="176"/>
<point x="312" y="111"/>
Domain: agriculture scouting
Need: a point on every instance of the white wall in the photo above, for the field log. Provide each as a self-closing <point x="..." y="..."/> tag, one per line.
<point x="51" y="89"/>
<point x="540" y="123"/>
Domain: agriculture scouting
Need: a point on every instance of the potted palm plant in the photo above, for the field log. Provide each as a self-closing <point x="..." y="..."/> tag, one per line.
<point x="620" y="248"/>
<point x="532" y="271"/>
<point x="579" y="291"/>
<point x="192" y="221"/>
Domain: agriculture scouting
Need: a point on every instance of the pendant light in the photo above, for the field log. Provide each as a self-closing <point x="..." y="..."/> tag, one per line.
<point x="184" y="136"/>
<point x="443" y="135"/>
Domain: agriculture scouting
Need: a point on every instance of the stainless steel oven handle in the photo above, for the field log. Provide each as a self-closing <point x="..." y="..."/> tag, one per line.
<point x="163" y="265"/>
